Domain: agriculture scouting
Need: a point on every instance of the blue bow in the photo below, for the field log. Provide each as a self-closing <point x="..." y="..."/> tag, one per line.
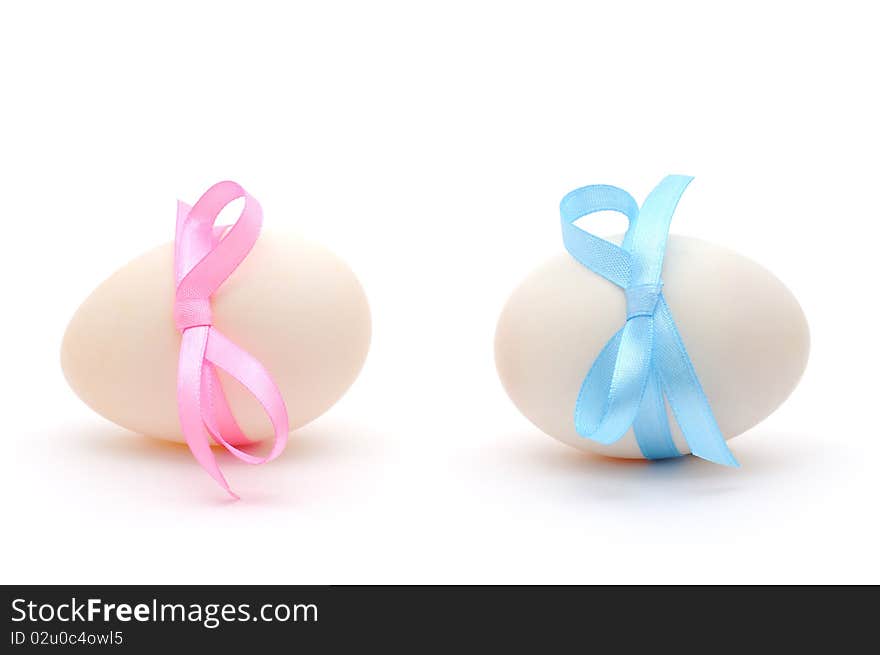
<point x="646" y="358"/>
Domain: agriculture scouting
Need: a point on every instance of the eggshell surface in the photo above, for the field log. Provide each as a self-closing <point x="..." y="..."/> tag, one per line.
<point x="743" y="329"/>
<point x="292" y="304"/>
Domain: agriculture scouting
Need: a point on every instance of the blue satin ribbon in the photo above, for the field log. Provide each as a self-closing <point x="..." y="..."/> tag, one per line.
<point x="646" y="360"/>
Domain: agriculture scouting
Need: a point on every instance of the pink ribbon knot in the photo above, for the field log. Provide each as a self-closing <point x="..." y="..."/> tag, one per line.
<point x="204" y="256"/>
<point x="191" y="312"/>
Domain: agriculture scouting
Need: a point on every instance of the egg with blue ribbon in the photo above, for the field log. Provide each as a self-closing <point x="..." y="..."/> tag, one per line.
<point x="652" y="347"/>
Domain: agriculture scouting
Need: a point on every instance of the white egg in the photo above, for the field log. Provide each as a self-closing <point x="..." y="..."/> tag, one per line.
<point x="293" y="305"/>
<point x="744" y="331"/>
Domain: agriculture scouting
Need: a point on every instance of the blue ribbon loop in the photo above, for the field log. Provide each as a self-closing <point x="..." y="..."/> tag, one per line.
<point x="646" y="360"/>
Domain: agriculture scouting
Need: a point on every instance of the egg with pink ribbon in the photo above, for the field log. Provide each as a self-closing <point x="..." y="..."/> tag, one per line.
<point x="225" y="337"/>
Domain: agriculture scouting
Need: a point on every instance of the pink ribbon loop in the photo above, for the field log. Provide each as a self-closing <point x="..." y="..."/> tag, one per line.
<point x="204" y="256"/>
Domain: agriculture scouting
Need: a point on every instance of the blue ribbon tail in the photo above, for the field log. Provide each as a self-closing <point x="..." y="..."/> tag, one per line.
<point x="651" y="426"/>
<point x="685" y="394"/>
<point x="612" y="392"/>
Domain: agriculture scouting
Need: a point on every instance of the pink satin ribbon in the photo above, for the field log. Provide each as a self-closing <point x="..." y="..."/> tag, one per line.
<point x="204" y="256"/>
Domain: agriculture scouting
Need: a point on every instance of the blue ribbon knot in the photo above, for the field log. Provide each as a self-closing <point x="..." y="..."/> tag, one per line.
<point x="645" y="361"/>
<point x="642" y="299"/>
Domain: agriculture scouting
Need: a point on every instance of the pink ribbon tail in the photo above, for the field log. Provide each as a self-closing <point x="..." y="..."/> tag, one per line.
<point x="204" y="256"/>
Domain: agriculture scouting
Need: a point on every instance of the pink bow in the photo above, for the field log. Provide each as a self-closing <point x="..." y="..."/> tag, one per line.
<point x="204" y="256"/>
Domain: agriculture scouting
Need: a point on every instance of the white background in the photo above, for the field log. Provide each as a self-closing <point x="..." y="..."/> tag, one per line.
<point x="429" y="144"/>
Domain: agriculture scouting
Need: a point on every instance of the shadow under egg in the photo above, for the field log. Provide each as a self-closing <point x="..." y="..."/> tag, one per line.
<point x="584" y="475"/>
